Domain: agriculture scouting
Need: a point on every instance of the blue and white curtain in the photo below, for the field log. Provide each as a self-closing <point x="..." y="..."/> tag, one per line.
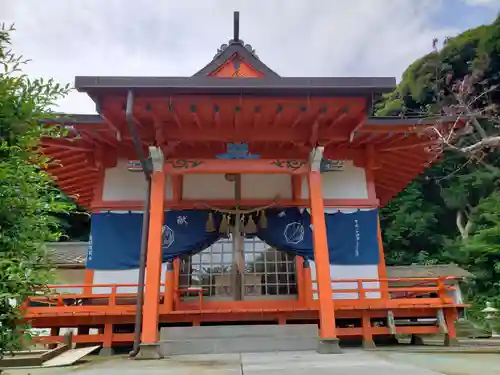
<point x="352" y="237"/>
<point x="116" y="237"/>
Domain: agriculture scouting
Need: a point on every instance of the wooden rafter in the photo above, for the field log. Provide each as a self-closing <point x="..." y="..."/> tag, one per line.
<point x="77" y="145"/>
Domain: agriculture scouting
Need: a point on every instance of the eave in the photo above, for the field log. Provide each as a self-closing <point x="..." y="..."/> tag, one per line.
<point x="199" y="85"/>
<point x="393" y="141"/>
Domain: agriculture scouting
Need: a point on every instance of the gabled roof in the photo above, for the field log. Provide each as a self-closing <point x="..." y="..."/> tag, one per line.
<point x="239" y="49"/>
<point x="68" y="254"/>
<point x="427" y="270"/>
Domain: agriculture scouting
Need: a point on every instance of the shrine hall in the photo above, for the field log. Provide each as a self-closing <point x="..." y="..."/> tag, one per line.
<point x="240" y="201"/>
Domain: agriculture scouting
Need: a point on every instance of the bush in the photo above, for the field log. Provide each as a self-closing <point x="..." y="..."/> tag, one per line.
<point x="28" y="198"/>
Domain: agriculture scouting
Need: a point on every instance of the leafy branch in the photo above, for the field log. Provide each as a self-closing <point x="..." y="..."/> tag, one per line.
<point x="29" y="202"/>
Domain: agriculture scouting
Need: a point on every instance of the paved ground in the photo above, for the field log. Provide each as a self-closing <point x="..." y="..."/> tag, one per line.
<point x="351" y="362"/>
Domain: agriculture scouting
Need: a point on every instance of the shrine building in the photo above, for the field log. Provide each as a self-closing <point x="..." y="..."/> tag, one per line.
<point x="237" y="196"/>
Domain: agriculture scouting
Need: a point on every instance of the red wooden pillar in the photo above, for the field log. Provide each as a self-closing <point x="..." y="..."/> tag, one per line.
<point x="299" y="271"/>
<point x="154" y="261"/>
<point x="329" y="343"/>
<point x="382" y="269"/>
<point x="169" y="287"/>
<point x="450" y="315"/>
<point x="308" y="293"/>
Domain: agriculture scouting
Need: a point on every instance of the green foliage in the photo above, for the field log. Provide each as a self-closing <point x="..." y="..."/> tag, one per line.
<point x="417" y="93"/>
<point x="421" y="225"/>
<point x="28" y="199"/>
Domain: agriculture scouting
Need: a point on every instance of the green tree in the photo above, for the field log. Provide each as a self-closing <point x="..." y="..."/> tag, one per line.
<point x="28" y="199"/>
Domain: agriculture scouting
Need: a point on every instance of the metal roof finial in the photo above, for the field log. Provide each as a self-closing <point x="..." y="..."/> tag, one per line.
<point x="236" y="26"/>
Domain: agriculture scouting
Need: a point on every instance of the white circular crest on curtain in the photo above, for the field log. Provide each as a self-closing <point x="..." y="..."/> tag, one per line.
<point x="294" y="233"/>
<point x="168" y="237"/>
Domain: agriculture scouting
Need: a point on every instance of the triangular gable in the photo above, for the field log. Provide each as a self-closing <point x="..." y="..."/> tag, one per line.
<point x="236" y="66"/>
<point x="233" y="56"/>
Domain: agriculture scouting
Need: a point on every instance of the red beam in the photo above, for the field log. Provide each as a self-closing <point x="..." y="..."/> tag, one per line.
<point x="413" y="143"/>
<point x="278" y="134"/>
<point x="184" y="166"/>
<point x="192" y="204"/>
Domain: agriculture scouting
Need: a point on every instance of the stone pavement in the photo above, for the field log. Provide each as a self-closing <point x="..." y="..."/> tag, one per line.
<point x="351" y="362"/>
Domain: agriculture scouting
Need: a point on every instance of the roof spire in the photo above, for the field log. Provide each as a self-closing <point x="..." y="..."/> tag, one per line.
<point x="236" y="27"/>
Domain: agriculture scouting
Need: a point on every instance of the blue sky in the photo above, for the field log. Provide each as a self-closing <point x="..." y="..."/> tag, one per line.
<point x="171" y="37"/>
<point x="464" y="14"/>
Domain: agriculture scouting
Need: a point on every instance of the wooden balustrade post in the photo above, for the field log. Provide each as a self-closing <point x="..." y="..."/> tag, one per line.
<point x="112" y="297"/>
<point x="329" y="342"/>
<point x="88" y="280"/>
<point x="361" y="290"/>
<point x="442" y="289"/>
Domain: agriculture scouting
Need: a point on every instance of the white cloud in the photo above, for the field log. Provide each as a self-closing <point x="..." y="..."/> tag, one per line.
<point x="171" y="37"/>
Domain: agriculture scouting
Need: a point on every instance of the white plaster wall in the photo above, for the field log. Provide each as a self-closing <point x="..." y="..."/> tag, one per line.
<point x="457" y="293"/>
<point x="121" y="277"/>
<point x="207" y="186"/>
<point x="266" y="186"/>
<point x="121" y="184"/>
<point x="349" y="183"/>
<point x="343" y="272"/>
<point x="253" y="186"/>
<point x="70" y="276"/>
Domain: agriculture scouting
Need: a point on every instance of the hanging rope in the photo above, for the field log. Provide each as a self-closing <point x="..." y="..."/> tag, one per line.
<point x="250" y="227"/>
<point x="243" y="212"/>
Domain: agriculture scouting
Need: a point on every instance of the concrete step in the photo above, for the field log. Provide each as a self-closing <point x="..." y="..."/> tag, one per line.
<point x="237" y="339"/>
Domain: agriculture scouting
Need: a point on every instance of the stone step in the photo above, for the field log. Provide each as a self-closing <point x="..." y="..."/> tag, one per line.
<point x="237" y="339"/>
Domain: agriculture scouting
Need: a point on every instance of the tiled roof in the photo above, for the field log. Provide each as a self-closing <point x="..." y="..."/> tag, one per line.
<point x="69" y="253"/>
<point x="434" y="270"/>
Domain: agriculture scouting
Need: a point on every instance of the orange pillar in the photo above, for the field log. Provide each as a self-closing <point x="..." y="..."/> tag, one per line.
<point x="169" y="287"/>
<point x="450" y="315"/>
<point x="154" y="260"/>
<point x="308" y="294"/>
<point x="177" y="274"/>
<point x="382" y="269"/>
<point x="299" y="272"/>
<point x="329" y="343"/>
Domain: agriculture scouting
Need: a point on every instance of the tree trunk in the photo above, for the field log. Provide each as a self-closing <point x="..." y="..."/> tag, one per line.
<point x="464" y="228"/>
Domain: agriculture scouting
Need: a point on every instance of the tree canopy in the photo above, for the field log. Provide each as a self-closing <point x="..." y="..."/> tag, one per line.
<point x="451" y="212"/>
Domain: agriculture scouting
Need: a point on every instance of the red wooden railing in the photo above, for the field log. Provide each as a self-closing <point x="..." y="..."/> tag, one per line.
<point x="421" y="289"/>
<point x="116" y="300"/>
<point x="59" y="307"/>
